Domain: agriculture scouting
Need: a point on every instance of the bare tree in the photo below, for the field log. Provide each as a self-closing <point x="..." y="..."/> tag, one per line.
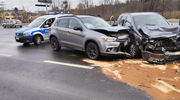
<point x="57" y="4"/>
<point x="85" y="4"/>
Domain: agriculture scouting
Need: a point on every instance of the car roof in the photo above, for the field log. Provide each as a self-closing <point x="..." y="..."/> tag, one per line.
<point x="77" y="16"/>
<point x="54" y="16"/>
<point x="141" y="13"/>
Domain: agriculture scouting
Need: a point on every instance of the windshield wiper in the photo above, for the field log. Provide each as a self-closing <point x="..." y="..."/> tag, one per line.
<point x="151" y="24"/>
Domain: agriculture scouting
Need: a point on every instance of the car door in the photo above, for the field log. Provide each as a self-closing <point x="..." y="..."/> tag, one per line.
<point x="62" y="30"/>
<point x="76" y="35"/>
<point x="45" y="29"/>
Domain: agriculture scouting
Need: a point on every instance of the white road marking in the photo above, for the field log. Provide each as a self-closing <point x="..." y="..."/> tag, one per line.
<point x="165" y="87"/>
<point x="5" y="55"/>
<point x="169" y="86"/>
<point x="68" y="64"/>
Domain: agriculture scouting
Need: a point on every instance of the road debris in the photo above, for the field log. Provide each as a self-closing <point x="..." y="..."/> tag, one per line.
<point x="159" y="81"/>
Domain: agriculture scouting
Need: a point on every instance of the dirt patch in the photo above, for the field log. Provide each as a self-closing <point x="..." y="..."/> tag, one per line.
<point x="162" y="82"/>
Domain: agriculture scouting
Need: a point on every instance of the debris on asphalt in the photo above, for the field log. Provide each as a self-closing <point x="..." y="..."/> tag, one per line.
<point x="159" y="81"/>
<point x="177" y="71"/>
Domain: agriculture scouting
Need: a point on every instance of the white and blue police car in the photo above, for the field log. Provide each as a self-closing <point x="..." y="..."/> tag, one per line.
<point x="37" y="31"/>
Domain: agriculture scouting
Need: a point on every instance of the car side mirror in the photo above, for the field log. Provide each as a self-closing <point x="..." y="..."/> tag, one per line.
<point x="78" y="28"/>
<point x="45" y="26"/>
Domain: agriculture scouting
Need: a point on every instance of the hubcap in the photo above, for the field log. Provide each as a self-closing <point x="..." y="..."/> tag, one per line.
<point x="38" y="40"/>
<point x="132" y="50"/>
<point x="92" y="52"/>
<point x="53" y="43"/>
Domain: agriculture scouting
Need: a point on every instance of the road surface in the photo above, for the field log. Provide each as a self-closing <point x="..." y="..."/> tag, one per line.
<point x="37" y="73"/>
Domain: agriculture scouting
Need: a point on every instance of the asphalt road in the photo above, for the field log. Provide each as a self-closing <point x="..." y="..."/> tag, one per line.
<point x="38" y="73"/>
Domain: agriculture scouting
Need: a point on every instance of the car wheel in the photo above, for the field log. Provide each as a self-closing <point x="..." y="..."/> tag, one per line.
<point x="134" y="51"/>
<point x="26" y="44"/>
<point x="92" y="51"/>
<point x="55" y="44"/>
<point x="37" y="40"/>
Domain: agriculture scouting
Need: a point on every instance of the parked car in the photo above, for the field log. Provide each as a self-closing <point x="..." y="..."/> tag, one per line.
<point x="37" y="31"/>
<point x="14" y="23"/>
<point x="151" y="36"/>
<point x="90" y="34"/>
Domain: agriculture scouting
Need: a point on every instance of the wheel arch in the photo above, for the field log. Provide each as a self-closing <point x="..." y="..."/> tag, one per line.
<point x="91" y="40"/>
<point x="38" y="34"/>
<point x="52" y="36"/>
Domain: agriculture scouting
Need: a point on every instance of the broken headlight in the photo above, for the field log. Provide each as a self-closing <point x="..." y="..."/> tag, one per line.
<point x="109" y="39"/>
<point x="151" y="41"/>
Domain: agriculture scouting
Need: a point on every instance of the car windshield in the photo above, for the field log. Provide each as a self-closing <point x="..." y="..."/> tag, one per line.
<point x="94" y="22"/>
<point x="150" y="20"/>
<point x="37" y="22"/>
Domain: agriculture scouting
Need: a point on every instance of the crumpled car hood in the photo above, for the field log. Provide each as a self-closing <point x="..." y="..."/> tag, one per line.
<point x="161" y="31"/>
<point x="111" y="29"/>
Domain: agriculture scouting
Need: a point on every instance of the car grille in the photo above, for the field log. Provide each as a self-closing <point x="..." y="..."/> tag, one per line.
<point x="165" y="43"/>
<point x="19" y="34"/>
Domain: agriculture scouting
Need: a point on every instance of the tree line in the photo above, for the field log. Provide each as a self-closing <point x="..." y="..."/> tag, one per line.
<point x="107" y="8"/>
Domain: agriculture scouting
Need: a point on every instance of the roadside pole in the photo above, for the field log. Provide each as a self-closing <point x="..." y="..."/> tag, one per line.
<point x="44" y="3"/>
<point x="46" y="8"/>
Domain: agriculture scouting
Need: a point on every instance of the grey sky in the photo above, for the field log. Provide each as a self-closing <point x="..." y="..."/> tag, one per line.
<point x="29" y="4"/>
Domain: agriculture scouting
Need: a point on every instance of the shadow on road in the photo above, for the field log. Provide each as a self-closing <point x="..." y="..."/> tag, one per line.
<point x="66" y="54"/>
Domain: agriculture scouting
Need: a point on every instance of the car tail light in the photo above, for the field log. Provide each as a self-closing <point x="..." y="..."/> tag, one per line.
<point x="49" y="28"/>
<point x="16" y="23"/>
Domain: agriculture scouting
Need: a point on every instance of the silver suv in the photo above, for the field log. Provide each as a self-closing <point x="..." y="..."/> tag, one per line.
<point x="90" y="34"/>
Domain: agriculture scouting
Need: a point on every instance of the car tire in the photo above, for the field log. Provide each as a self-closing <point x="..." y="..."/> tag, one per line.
<point x="55" y="44"/>
<point x="37" y="40"/>
<point x="26" y="44"/>
<point x="134" y="51"/>
<point x="92" y="51"/>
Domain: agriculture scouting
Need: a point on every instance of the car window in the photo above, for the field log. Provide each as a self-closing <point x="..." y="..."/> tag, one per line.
<point x="94" y="22"/>
<point x="122" y="19"/>
<point x="62" y="23"/>
<point x="73" y="23"/>
<point x="128" y="22"/>
<point x="150" y="20"/>
<point x="48" y="22"/>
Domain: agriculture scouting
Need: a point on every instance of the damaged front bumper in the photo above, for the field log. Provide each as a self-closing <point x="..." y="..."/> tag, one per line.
<point x="115" y="48"/>
<point x="160" y="57"/>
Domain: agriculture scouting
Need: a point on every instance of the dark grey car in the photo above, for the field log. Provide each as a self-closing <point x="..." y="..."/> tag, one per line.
<point x="151" y="36"/>
<point x="90" y="34"/>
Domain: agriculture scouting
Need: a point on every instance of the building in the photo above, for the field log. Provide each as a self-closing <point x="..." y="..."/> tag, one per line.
<point x="23" y="15"/>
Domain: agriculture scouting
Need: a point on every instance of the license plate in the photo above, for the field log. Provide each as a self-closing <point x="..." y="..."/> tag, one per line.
<point x="17" y="38"/>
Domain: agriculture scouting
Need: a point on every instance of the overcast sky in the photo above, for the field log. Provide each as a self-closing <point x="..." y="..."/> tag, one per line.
<point x="29" y="4"/>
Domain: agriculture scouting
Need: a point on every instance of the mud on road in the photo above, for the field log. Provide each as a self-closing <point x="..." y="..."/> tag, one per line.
<point x="161" y="82"/>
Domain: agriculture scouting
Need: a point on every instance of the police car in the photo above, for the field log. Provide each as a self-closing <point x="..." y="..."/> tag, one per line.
<point x="37" y="31"/>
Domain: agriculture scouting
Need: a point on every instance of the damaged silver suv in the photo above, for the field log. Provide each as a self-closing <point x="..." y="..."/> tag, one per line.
<point x="90" y="34"/>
